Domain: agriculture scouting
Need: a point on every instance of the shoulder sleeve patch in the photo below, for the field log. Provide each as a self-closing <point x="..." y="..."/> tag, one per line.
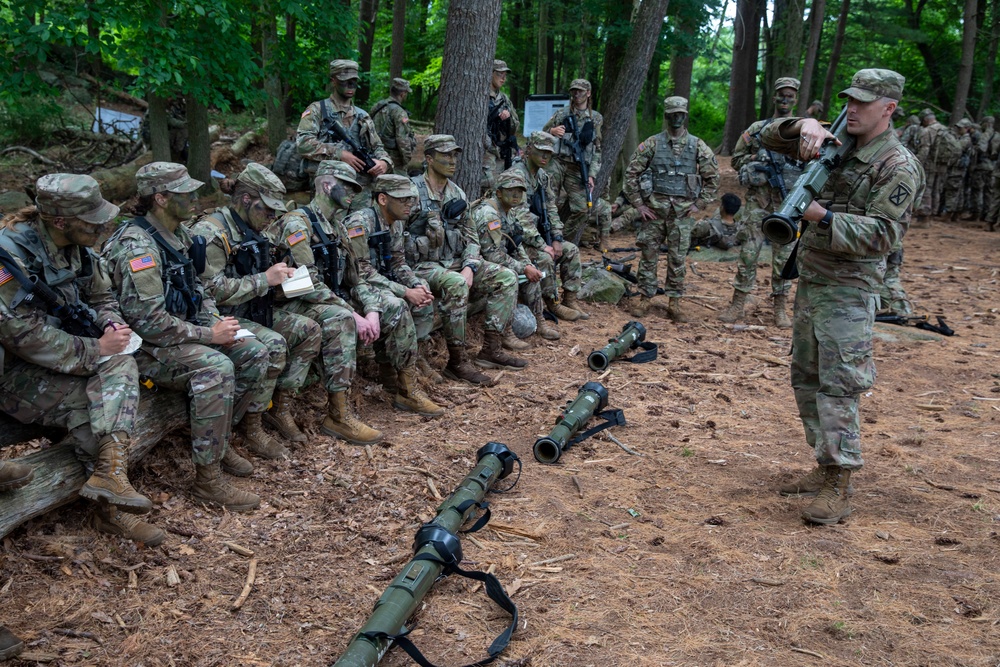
<point x="142" y="263"/>
<point x="5" y="275"/>
<point x="296" y="238"/>
<point x="306" y="113"/>
<point x="355" y="232"/>
<point x="898" y="196"/>
<point x="404" y="119"/>
<point x="493" y="225"/>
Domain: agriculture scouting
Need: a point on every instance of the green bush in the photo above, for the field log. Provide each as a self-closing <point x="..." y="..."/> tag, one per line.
<point x="707" y="120"/>
<point x="29" y="121"/>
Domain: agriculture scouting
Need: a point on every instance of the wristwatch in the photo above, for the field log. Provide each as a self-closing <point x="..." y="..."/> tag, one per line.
<point x="558" y="238"/>
<point x="470" y="267"/>
<point x="826" y="221"/>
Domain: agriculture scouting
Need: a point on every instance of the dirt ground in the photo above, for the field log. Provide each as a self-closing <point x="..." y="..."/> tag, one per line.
<point x="685" y="555"/>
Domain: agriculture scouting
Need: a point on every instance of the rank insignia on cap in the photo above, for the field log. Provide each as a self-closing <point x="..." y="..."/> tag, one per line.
<point x="5" y="275"/>
<point x="142" y="263"/>
<point x="296" y="237"/>
<point x="355" y="232"/>
<point x="493" y="224"/>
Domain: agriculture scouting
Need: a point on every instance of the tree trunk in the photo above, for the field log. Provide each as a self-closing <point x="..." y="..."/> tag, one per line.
<point x="743" y="73"/>
<point x="651" y="98"/>
<point x="542" y="83"/>
<point x="199" y="162"/>
<point x="366" y="41"/>
<point x="159" y="128"/>
<point x="469" y="44"/>
<point x="816" y="16"/>
<point x="838" y="45"/>
<point x="965" y="66"/>
<point x="398" y="38"/>
<point x="991" y="59"/>
<point x="277" y="130"/>
<point x="614" y="57"/>
<point x="932" y="58"/>
<point x="768" y="35"/>
<point x="291" y="28"/>
<point x="619" y="106"/>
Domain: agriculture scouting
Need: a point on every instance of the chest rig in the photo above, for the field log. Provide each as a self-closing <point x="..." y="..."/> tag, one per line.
<point x="676" y="175"/>
<point x="330" y="258"/>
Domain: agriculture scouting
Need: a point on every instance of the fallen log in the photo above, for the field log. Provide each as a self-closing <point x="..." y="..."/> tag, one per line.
<point x="118" y="184"/>
<point x="59" y="474"/>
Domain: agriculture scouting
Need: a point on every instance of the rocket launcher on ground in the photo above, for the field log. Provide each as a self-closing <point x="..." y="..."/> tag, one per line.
<point x="590" y="401"/>
<point x="632" y="336"/>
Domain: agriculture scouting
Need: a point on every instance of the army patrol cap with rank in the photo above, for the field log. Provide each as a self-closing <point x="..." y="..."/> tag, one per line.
<point x="500" y="66"/>
<point x="73" y="196"/>
<point x="165" y="177"/>
<point x="268" y="186"/>
<point x="399" y="187"/>
<point x="511" y="179"/>
<point x="787" y="82"/>
<point x="402" y="85"/>
<point x="675" y="104"/>
<point x="542" y="141"/>
<point x="341" y="170"/>
<point x="441" y="143"/>
<point x="579" y="84"/>
<point x="869" y="85"/>
<point x="343" y="70"/>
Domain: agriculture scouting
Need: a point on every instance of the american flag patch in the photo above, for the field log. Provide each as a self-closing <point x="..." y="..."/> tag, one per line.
<point x="355" y="232"/>
<point x="142" y="263"/>
<point x="296" y="237"/>
<point x="5" y="275"/>
<point x="493" y="224"/>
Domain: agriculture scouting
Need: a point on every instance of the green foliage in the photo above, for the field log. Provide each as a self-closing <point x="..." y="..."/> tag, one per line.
<point x="27" y="121"/>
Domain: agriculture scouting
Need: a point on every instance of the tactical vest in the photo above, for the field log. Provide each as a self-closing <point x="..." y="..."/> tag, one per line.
<point x="376" y="245"/>
<point x="676" y="175"/>
<point x="382" y="123"/>
<point x="250" y="256"/>
<point x="790" y="168"/>
<point x="563" y="150"/>
<point x="181" y="296"/>
<point x="431" y="238"/>
<point x="330" y="258"/>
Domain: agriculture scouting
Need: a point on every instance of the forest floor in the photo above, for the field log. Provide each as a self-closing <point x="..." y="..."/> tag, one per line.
<point x="685" y="555"/>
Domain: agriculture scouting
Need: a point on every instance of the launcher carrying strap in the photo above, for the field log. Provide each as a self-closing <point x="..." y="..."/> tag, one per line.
<point x="614" y="417"/>
<point x="648" y="354"/>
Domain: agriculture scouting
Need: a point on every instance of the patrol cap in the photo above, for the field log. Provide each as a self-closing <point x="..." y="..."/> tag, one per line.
<point x="341" y="170"/>
<point x="396" y="186"/>
<point x="964" y="122"/>
<point x="542" y="141"/>
<point x="268" y="186"/>
<point x="988" y="119"/>
<point x="500" y="66"/>
<point x="510" y="179"/>
<point x="675" y="104"/>
<point x="870" y="84"/>
<point x="818" y="104"/>
<point x="787" y="82"/>
<point x="441" y="143"/>
<point x="912" y="120"/>
<point x="343" y="69"/>
<point x="579" y="84"/>
<point x="925" y="113"/>
<point x="401" y="85"/>
<point x="73" y="195"/>
<point x="164" y="177"/>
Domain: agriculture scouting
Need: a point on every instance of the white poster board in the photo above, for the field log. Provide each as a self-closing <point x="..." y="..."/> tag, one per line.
<point x="538" y="109"/>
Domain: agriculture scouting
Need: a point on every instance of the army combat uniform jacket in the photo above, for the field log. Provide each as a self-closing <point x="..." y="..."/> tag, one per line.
<point x="316" y="148"/>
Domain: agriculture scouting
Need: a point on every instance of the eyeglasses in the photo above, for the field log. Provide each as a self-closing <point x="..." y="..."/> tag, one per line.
<point x="407" y="201"/>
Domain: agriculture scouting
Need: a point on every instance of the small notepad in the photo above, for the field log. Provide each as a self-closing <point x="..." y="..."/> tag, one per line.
<point x="299" y="283"/>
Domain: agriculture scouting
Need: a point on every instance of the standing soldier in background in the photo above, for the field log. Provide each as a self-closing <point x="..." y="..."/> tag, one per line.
<point x="564" y="170"/>
<point x="61" y="371"/>
<point x="501" y="114"/>
<point x="187" y="345"/>
<point x="392" y="123"/>
<point x="987" y="151"/>
<point x="685" y="180"/>
<point x="315" y="142"/>
<point x="927" y="140"/>
<point x="768" y="177"/>
<point x="953" y="148"/>
<point x="910" y="134"/>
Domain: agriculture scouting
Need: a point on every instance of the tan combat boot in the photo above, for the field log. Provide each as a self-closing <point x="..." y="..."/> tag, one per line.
<point x="571" y="301"/>
<point x="780" y="316"/>
<point x="831" y="504"/>
<point x="808" y="485"/>
<point x="411" y="398"/>
<point x="110" y="519"/>
<point x="211" y="488"/>
<point x="424" y="366"/>
<point x="493" y="356"/>
<point x="109" y="483"/>
<point x="14" y="475"/>
<point x="674" y="311"/>
<point x="734" y="311"/>
<point x="459" y="368"/>
<point x="341" y="423"/>
<point x="640" y="305"/>
<point x="561" y="311"/>
<point x="234" y="464"/>
<point x="546" y="330"/>
<point x="512" y="342"/>
<point x="279" y="417"/>
<point x="257" y="441"/>
<point x="10" y="644"/>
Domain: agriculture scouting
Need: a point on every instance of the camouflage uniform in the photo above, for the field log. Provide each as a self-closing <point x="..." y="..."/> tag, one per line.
<point x="987" y="151"/>
<point x="712" y="231"/>
<point x="492" y="162"/>
<point x="222" y="381"/>
<point x="927" y="144"/>
<point x="953" y="153"/>
<point x="392" y="123"/>
<point x="685" y="174"/>
<point x="841" y="269"/>
<point x="909" y="136"/>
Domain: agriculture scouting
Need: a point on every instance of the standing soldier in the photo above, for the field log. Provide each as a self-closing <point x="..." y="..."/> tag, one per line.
<point x="392" y="123"/>
<point x="443" y="249"/>
<point x="565" y="170"/>
<point x="952" y="157"/>
<point x="987" y="150"/>
<point x="153" y="264"/>
<point x="500" y="224"/>
<point x="66" y="365"/>
<point x="768" y="177"/>
<point x="543" y="232"/>
<point x="927" y="145"/>
<point x="315" y="140"/>
<point x="685" y="179"/>
<point x="502" y="126"/>
<point x="240" y="277"/>
<point x="910" y="134"/>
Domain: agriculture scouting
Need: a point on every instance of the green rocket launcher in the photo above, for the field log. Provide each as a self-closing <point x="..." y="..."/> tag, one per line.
<point x="632" y="336"/>
<point x="437" y="553"/>
<point x="591" y="400"/>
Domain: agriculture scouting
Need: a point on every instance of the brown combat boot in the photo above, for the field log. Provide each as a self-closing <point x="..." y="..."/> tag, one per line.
<point x="110" y="519"/>
<point x="14" y="475"/>
<point x="561" y="311"/>
<point x="234" y="464"/>
<point x="109" y="483"/>
<point x="734" y="311"/>
<point x="831" y="504"/>
<point x="10" y="644"/>
<point x="211" y="488"/>
<point x="341" y="423"/>
<point x="640" y="305"/>
<point x="387" y="377"/>
<point x="544" y="329"/>
<point x="493" y="356"/>
<point x="513" y="343"/>
<point x="808" y="485"/>
<point x="257" y="441"/>
<point x="571" y="301"/>
<point x="459" y="368"/>
<point x="424" y="366"/>
<point x="780" y="316"/>
<point x="279" y="417"/>
<point x="411" y="398"/>
<point x="674" y="311"/>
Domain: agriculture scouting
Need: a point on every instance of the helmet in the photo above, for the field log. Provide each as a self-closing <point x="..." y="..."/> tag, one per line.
<point x="523" y="322"/>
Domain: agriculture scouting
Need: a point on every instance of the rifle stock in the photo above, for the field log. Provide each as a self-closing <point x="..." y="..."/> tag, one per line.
<point x="340" y="132"/>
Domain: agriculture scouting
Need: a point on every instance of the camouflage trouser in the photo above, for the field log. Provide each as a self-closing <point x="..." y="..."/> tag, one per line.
<point x="90" y="408"/>
<point x="931" y="202"/>
<point x="752" y="239"/>
<point x="293" y="341"/>
<point x="982" y="191"/>
<point x="220" y="381"/>
<point x="954" y="183"/>
<point x="891" y="293"/>
<point x="568" y="263"/>
<point x="627" y="218"/>
<point x="496" y="284"/>
<point x="338" y="355"/>
<point x="397" y="341"/>
<point x="677" y="233"/>
<point x="530" y="294"/>
<point x="832" y="366"/>
<point x="994" y="211"/>
<point x="566" y="183"/>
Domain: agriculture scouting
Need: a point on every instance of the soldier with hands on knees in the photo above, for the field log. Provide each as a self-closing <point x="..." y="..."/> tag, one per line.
<point x="392" y="122"/>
